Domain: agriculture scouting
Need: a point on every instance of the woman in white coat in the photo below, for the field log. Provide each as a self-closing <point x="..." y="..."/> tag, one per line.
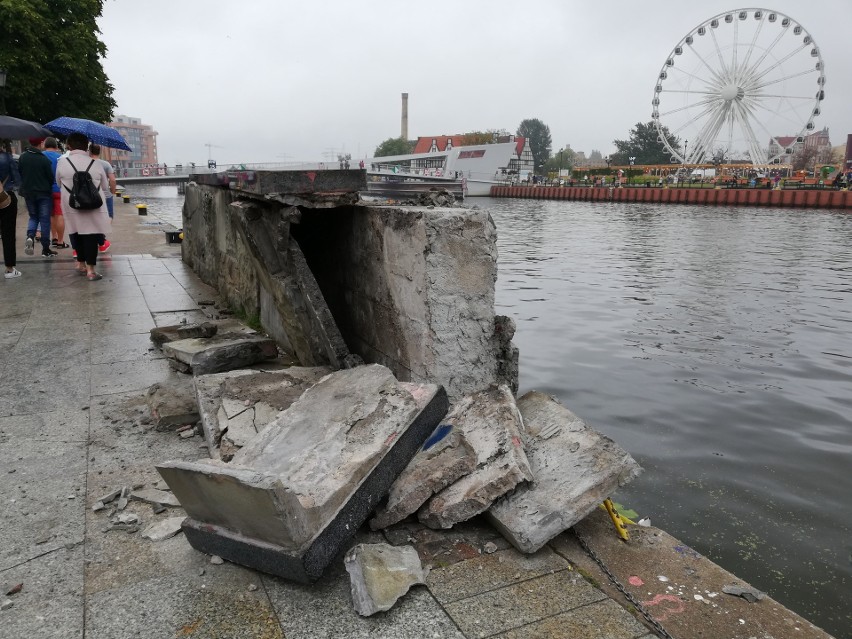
<point x="84" y="228"/>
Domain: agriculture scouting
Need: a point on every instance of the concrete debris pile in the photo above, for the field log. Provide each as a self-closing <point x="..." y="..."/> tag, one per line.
<point x="115" y="503"/>
<point x="290" y="498"/>
<point x="434" y="197"/>
<point x="301" y="457"/>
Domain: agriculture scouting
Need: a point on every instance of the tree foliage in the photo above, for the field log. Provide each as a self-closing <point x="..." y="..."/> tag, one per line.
<point x="488" y="136"/>
<point x="644" y="146"/>
<point x="52" y="56"/>
<point x="538" y="133"/>
<point x="564" y="158"/>
<point x="393" y="146"/>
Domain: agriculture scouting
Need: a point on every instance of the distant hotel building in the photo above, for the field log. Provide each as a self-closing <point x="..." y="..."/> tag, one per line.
<point x="142" y="138"/>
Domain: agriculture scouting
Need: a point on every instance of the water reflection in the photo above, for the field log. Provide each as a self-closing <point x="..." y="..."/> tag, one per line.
<point x="713" y="344"/>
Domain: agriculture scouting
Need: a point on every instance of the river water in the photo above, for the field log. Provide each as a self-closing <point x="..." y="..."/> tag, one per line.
<point x="713" y="344"/>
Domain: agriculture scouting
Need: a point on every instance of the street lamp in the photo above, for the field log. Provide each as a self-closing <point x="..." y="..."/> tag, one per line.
<point x="2" y="91"/>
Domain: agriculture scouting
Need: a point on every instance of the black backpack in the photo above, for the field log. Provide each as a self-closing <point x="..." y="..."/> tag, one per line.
<point x="83" y="194"/>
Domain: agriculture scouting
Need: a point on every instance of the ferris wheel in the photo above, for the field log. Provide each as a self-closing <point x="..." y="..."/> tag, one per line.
<point x="743" y="85"/>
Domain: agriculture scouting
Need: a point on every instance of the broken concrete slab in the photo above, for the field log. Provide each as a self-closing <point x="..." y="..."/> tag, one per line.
<point x="574" y="467"/>
<point x="241" y="403"/>
<point x="154" y="496"/>
<point x="287" y="501"/>
<point x="163" y="529"/>
<point x="223" y="352"/>
<point x="172" y="404"/>
<point x="492" y="425"/>
<point x="749" y="593"/>
<point x="163" y="334"/>
<point x="379" y="574"/>
<point x="445" y="457"/>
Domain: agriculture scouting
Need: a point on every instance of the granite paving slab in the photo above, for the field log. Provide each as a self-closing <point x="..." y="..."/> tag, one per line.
<point x="123" y="348"/>
<point x="43" y="499"/>
<point x="598" y="620"/>
<point x="120" y="377"/>
<point x="68" y="425"/>
<point x="522" y="603"/>
<point x="324" y="610"/>
<point x="122" y="324"/>
<point x="50" y="603"/>
<point x="216" y="605"/>
<point x="490" y="572"/>
<point x="148" y="267"/>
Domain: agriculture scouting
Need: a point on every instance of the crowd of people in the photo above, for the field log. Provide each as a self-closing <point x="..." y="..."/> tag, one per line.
<point x="43" y="176"/>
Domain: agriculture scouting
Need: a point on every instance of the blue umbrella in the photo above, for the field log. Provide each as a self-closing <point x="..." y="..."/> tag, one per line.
<point x="96" y="132"/>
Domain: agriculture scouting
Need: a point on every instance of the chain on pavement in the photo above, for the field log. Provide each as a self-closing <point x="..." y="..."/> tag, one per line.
<point x="635" y="602"/>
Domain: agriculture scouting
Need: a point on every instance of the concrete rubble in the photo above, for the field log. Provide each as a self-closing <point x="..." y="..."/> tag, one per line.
<point x="445" y="457"/>
<point x="236" y="405"/>
<point x="575" y="469"/>
<point x="154" y="496"/>
<point x="296" y="492"/>
<point x="379" y="574"/>
<point x="172" y="405"/>
<point x="492" y="426"/>
<point x="222" y="352"/>
<point x="163" y="529"/>
<point x="164" y="334"/>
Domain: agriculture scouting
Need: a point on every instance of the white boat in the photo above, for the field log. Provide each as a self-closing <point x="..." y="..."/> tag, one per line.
<point x="477" y="167"/>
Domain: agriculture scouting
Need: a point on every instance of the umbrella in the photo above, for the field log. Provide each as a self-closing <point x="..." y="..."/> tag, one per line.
<point x="96" y="132"/>
<point x="16" y="129"/>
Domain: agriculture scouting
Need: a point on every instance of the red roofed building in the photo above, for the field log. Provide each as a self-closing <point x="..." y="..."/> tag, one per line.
<point x="522" y="162"/>
<point x="437" y="143"/>
<point x="780" y="144"/>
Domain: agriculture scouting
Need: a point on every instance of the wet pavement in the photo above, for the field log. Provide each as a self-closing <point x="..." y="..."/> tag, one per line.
<point x="76" y="360"/>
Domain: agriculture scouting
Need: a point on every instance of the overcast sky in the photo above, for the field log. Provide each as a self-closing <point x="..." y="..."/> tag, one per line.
<point x="267" y="80"/>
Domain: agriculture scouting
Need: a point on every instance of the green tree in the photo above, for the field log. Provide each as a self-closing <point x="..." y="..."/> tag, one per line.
<point x="564" y="158"/>
<point x="488" y="136"/>
<point x="538" y="134"/>
<point x="52" y="55"/>
<point x="644" y="146"/>
<point x="393" y="146"/>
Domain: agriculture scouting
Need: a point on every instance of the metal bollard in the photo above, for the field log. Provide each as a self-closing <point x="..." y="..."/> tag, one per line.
<point x="142" y="209"/>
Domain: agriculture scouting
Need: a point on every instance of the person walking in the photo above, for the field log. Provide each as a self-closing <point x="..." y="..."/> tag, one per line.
<point x="57" y="222"/>
<point x="85" y="227"/>
<point x="108" y="193"/>
<point x="10" y="179"/>
<point x="37" y="189"/>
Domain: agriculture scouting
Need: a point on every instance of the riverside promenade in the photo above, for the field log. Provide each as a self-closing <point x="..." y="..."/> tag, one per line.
<point x="76" y="361"/>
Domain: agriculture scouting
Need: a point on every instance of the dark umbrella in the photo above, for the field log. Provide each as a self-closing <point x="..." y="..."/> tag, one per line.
<point x="16" y="129"/>
<point x="96" y="132"/>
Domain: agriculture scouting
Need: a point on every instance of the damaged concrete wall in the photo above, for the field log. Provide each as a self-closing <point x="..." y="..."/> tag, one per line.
<point x="411" y="288"/>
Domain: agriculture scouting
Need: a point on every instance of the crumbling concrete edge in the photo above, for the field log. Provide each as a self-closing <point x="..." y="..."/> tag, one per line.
<point x="309" y="566"/>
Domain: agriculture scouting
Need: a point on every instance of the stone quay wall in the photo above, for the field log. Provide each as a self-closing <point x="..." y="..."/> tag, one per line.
<point x="336" y="281"/>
